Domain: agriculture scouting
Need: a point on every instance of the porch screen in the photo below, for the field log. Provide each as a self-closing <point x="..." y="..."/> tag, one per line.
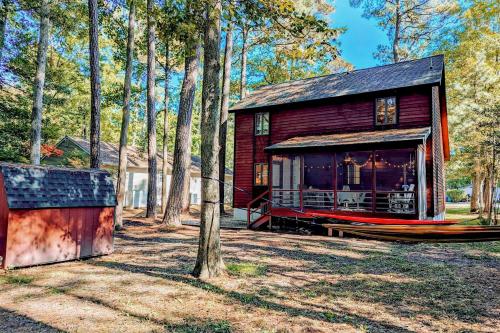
<point x="395" y="170"/>
<point x="318" y="173"/>
<point x="318" y="182"/>
<point x="354" y="180"/>
<point x="396" y="181"/>
<point x="286" y="181"/>
<point x="354" y="171"/>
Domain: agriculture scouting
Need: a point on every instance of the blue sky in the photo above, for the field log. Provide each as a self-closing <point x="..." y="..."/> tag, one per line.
<point x="360" y="40"/>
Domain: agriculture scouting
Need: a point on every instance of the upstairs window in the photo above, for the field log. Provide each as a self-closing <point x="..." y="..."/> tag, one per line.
<point x="262" y="123"/>
<point x="385" y="111"/>
<point x="261" y="174"/>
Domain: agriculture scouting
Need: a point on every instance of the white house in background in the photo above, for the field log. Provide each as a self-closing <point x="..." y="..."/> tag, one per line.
<point x="76" y="152"/>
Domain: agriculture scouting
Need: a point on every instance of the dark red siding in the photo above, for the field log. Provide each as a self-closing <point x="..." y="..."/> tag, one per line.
<point x="39" y="236"/>
<point x="349" y="114"/>
<point x="243" y="158"/>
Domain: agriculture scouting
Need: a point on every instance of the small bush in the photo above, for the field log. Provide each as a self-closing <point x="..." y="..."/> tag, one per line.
<point x="456" y="195"/>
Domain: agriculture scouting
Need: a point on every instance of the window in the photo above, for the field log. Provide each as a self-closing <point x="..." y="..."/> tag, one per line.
<point x="262" y="123"/>
<point x="352" y="174"/>
<point x="261" y="174"/>
<point x="385" y="109"/>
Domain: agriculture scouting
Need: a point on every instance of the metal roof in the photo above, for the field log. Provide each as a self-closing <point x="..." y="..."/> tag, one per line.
<point x="30" y="186"/>
<point x="344" y="139"/>
<point x="399" y="75"/>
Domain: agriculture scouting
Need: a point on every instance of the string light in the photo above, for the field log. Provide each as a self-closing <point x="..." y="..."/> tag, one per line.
<point x="349" y="160"/>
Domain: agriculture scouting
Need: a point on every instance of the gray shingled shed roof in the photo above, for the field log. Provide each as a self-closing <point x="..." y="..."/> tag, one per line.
<point x="344" y="139"/>
<point x="399" y="75"/>
<point x="48" y="187"/>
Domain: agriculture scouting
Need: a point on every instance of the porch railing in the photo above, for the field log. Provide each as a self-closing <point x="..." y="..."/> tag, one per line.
<point x="399" y="202"/>
<point x="317" y="199"/>
<point x="286" y="198"/>
<point x="396" y="202"/>
<point x="358" y="201"/>
<point x="254" y="213"/>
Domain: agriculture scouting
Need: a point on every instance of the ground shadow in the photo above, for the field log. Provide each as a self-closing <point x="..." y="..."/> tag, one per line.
<point x="12" y="321"/>
<point x="254" y="300"/>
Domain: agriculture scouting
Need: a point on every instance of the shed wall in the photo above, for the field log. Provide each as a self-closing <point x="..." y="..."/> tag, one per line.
<point x="57" y="234"/>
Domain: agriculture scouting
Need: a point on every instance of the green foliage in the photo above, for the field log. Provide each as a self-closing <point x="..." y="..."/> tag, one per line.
<point x="473" y="88"/>
<point x="421" y="22"/>
<point x="458" y="183"/>
<point x="14" y="126"/>
<point x="455" y="195"/>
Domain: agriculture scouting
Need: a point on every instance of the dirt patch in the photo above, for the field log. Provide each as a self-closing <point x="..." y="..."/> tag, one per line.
<point x="277" y="283"/>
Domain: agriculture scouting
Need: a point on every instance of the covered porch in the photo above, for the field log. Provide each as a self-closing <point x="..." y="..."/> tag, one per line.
<point x="368" y="173"/>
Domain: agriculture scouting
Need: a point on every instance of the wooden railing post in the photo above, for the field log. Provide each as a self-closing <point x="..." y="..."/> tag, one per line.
<point x="249" y="205"/>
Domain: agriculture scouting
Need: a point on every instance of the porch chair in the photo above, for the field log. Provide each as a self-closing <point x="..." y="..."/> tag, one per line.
<point x="402" y="202"/>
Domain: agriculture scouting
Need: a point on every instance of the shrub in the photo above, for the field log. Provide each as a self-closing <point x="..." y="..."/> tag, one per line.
<point x="456" y="195"/>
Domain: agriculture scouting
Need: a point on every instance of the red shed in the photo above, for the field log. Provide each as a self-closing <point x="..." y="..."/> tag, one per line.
<point x="52" y="214"/>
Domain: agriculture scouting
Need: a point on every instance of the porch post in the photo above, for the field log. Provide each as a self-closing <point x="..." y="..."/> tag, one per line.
<point x="422" y="181"/>
<point x="301" y="185"/>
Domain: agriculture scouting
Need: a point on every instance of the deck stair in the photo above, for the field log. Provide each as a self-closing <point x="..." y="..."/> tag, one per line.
<point x="260" y="215"/>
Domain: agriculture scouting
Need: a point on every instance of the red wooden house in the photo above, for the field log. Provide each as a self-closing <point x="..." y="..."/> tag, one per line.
<point x="370" y="142"/>
<point x="52" y="214"/>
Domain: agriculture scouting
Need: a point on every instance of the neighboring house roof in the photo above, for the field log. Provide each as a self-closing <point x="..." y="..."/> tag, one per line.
<point x="330" y="140"/>
<point x="136" y="158"/>
<point x="29" y="186"/>
<point x="399" y="75"/>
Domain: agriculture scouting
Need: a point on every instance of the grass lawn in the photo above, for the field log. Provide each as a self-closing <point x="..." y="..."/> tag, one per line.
<point x="461" y="212"/>
<point x="275" y="283"/>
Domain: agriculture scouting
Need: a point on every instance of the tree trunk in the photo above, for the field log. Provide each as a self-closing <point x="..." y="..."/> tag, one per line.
<point x="4" y="16"/>
<point x="152" y="168"/>
<point x="244" y="54"/>
<point x="476" y="188"/>
<point x="122" y="168"/>
<point x="95" y="87"/>
<point x="209" y="260"/>
<point x="164" y="169"/>
<point x="182" y="156"/>
<point x="226" y="87"/>
<point x="481" y="195"/>
<point x="186" y="197"/>
<point x="488" y="191"/>
<point x="397" y="28"/>
<point x="41" y="60"/>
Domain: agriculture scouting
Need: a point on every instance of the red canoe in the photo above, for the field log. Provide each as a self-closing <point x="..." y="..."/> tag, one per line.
<point x="379" y="220"/>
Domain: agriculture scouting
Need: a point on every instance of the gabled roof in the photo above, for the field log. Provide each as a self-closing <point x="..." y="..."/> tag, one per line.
<point x="110" y="154"/>
<point x="136" y="158"/>
<point x="29" y="186"/>
<point x="399" y="75"/>
<point x="345" y="139"/>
